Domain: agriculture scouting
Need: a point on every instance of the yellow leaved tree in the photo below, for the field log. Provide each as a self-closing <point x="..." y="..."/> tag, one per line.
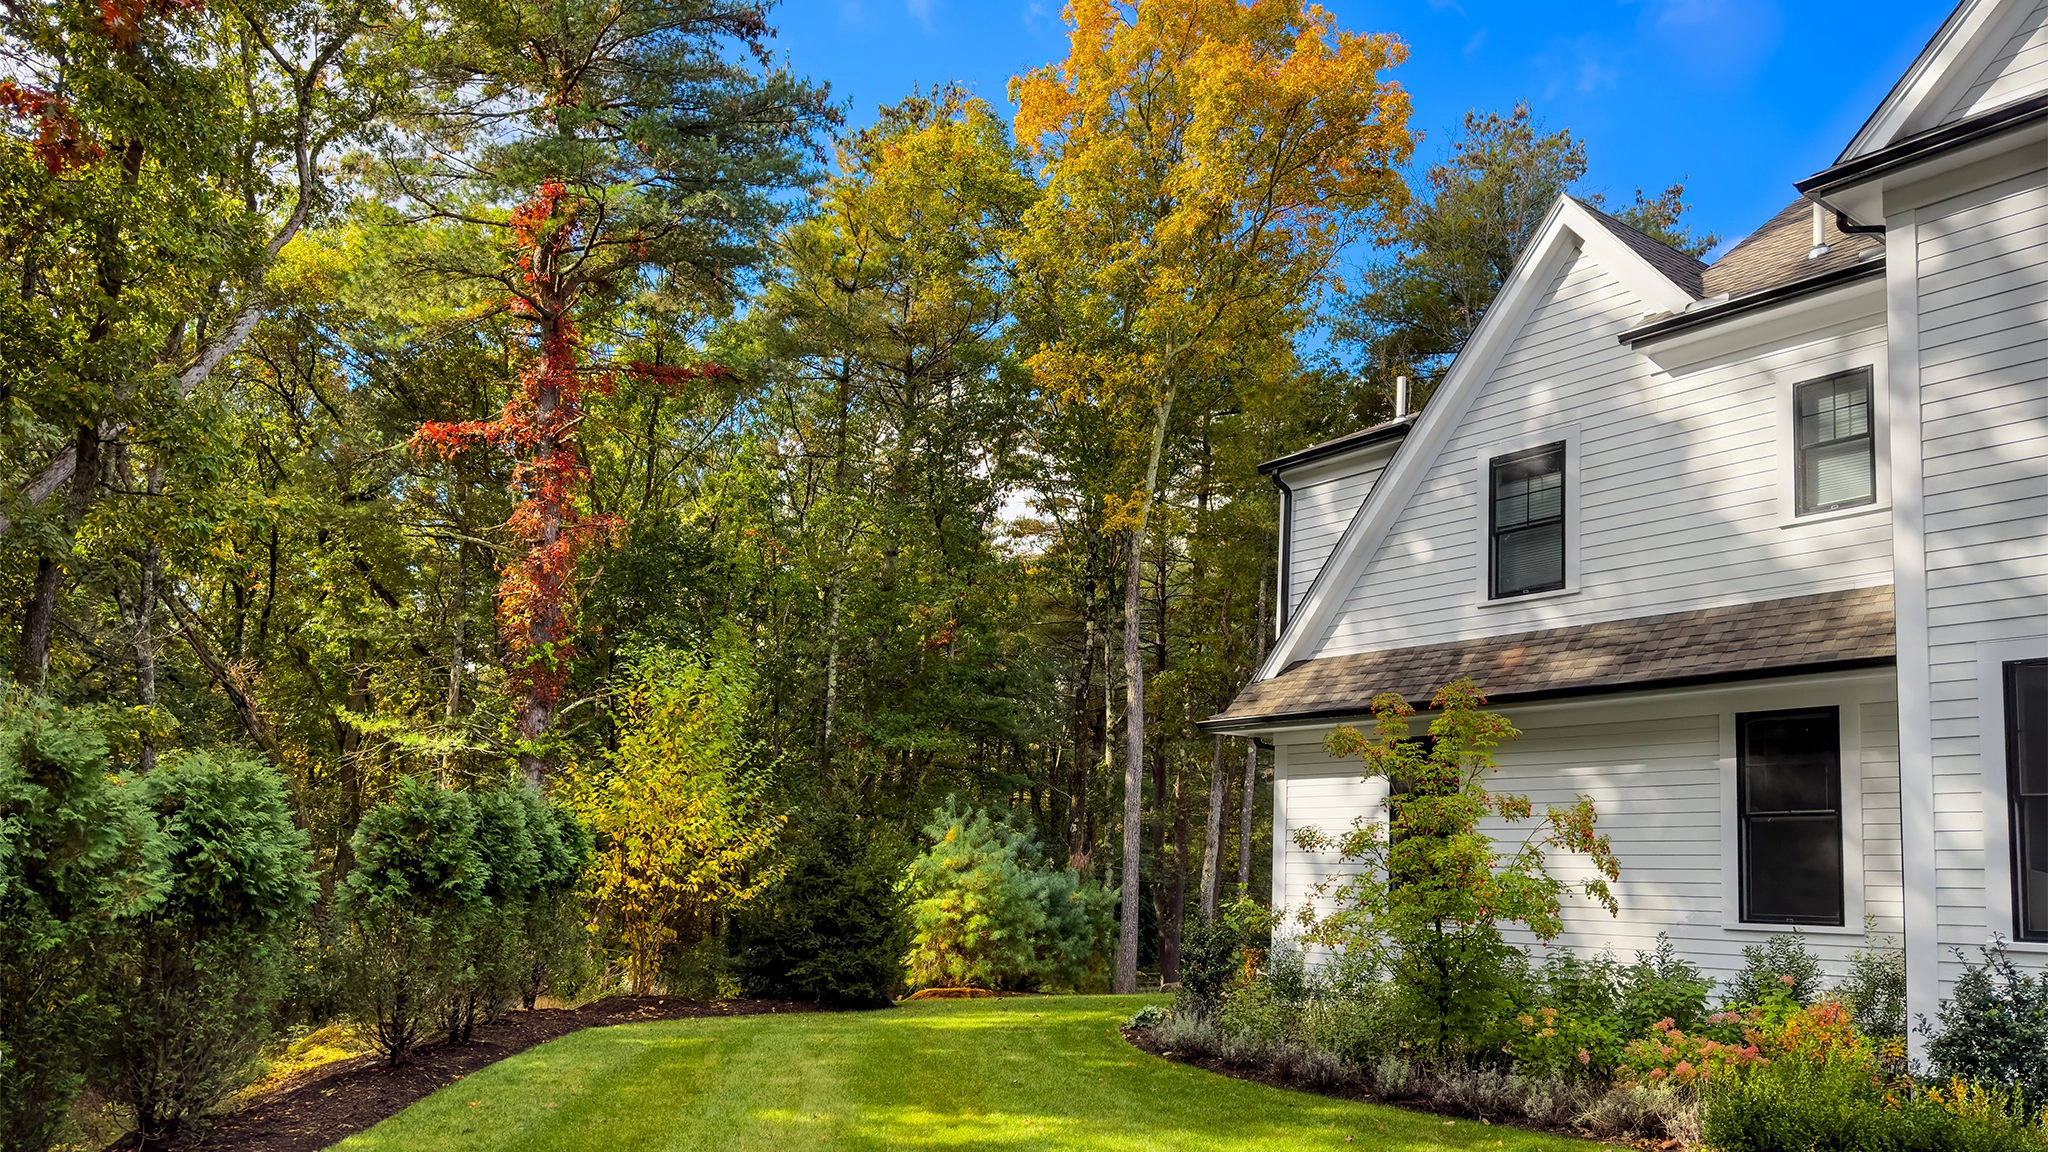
<point x="1205" y="162"/>
<point x="680" y="809"/>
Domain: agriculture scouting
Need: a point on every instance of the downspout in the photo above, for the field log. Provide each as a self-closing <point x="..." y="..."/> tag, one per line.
<point x="1285" y="599"/>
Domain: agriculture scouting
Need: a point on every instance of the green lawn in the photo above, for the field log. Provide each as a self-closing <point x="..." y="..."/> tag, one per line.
<point x="1032" y="1073"/>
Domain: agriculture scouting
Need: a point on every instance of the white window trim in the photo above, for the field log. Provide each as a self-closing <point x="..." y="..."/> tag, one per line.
<point x="1848" y="704"/>
<point x="1482" y="473"/>
<point x="1991" y="747"/>
<point x="1785" y="393"/>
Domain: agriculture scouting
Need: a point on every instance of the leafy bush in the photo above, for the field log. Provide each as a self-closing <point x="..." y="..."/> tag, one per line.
<point x="834" y="928"/>
<point x="1564" y="1045"/>
<point x="532" y="854"/>
<point x="194" y="985"/>
<point x="1779" y="966"/>
<point x="990" y="912"/>
<point x="1875" y="991"/>
<point x="1800" y="1104"/>
<point x="1995" y="1028"/>
<point x="1661" y="985"/>
<point x="1191" y="1035"/>
<point x="1429" y="901"/>
<point x="1585" y="1011"/>
<point x="1256" y="1012"/>
<point x="1671" y="1056"/>
<point x="74" y="863"/>
<point x="1150" y="1016"/>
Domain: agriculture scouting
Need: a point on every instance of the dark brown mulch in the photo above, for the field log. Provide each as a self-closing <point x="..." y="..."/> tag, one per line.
<point x="1353" y="1088"/>
<point x="348" y="1096"/>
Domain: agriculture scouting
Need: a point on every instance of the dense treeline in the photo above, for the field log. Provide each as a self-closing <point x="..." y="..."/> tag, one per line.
<point x="411" y="407"/>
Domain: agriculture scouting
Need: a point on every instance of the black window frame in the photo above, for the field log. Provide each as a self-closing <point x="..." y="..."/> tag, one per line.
<point x="1803" y="504"/>
<point x="1561" y="450"/>
<point x="2014" y="799"/>
<point x="1744" y="816"/>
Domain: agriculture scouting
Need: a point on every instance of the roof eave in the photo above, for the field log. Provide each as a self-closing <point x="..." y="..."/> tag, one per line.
<point x="1754" y="302"/>
<point x="1377" y="434"/>
<point x="1924" y="145"/>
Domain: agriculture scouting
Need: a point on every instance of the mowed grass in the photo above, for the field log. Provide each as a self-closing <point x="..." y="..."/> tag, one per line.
<point x="1024" y="1074"/>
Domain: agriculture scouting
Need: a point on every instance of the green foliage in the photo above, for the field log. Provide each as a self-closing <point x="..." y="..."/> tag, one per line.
<point x="1801" y="1104"/>
<point x="1779" y="967"/>
<point x="1580" y="1014"/>
<point x="194" y="984"/>
<point x="75" y="861"/>
<point x="1874" y="991"/>
<point x="834" y="928"/>
<point x="1428" y="904"/>
<point x="1994" y="1028"/>
<point x="989" y="912"/>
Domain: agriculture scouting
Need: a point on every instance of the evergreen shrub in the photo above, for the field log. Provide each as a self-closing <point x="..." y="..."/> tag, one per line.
<point x="1994" y="1029"/>
<point x="194" y="984"/>
<point x="835" y="927"/>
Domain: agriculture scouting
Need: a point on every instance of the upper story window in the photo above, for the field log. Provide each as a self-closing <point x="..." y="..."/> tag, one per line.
<point x="2026" y="731"/>
<point x="1526" y="522"/>
<point x="1836" y="441"/>
<point x="1788" y="794"/>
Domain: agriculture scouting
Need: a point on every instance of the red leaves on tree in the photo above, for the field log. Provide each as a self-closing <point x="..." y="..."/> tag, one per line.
<point x="537" y="427"/>
<point x="60" y="140"/>
<point x="121" y="20"/>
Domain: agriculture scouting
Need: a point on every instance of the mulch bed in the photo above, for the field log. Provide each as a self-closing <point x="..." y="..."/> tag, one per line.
<point x="1354" y="1089"/>
<point x="345" y="1097"/>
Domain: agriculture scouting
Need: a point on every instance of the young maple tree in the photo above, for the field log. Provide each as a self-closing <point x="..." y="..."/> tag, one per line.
<point x="1206" y="160"/>
<point x="645" y="160"/>
<point x="1428" y="903"/>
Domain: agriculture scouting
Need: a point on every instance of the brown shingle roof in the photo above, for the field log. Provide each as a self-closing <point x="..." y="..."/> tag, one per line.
<point x="1677" y="267"/>
<point x="1776" y="253"/>
<point x="1773" y="637"/>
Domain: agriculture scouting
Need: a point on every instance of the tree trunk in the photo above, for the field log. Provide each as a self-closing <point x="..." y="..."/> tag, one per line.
<point x="39" y="622"/>
<point x="1177" y="887"/>
<point x="1251" y="762"/>
<point x="1212" y="832"/>
<point x="833" y="597"/>
<point x="1079" y="843"/>
<point x="1134" y="761"/>
<point x="549" y="617"/>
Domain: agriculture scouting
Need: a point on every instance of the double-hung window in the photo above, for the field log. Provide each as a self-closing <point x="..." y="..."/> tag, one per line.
<point x="1837" y="443"/>
<point x="1526" y="522"/>
<point x="2026" y="736"/>
<point x="1789" y="805"/>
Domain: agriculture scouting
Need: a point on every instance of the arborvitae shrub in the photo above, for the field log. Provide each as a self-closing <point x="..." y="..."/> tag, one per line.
<point x="193" y="986"/>
<point x="835" y="927"/>
<point x="74" y="847"/>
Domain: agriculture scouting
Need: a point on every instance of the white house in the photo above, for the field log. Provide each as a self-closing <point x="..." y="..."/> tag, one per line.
<point x="1754" y="553"/>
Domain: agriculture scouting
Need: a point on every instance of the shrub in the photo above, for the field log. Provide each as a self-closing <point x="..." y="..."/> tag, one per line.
<point x="834" y="928"/>
<point x="1585" y="1011"/>
<point x="194" y="986"/>
<point x="1210" y="965"/>
<point x="1189" y="1035"/>
<point x="1429" y="901"/>
<point x="1256" y="1012"/>
<point x="1671" y="1056"/>
<point x="988" y="912"/>
<point x="1661" y="985"/>
<point x="1995" y="1028"/>
<point x="1780" y="966"/>
<point x="1393" y="1077"/>
<point x="74" y="855"/>
<point x="1875" y="991"/>
<point x="1798" y="1104"/>
<point x="1637" y="1109"/>
<point x="1150" y="1016"/>
<point x="408" y="910"/>
<point x="1550" y="1043"/>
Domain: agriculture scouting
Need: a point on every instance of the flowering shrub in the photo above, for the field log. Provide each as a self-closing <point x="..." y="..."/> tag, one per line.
<point x="1669" y="1055"/>
<point x="1547" y="1042"/>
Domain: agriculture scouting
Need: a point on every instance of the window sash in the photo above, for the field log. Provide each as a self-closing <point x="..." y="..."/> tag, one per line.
<point x="2026" y="736"/>
<point x="1835" y="438"/>
<point x="1809" y="835"/>
<point x="1526" y="522"/>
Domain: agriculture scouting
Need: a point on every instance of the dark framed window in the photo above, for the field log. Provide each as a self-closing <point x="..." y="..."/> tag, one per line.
<point x="1837" y="440"/>
<point x="1526" y="522"/>
<point x="1788" y="768"/>
<point x="2026" y="760"/>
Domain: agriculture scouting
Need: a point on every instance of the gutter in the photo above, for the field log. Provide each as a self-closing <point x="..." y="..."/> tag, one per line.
<point x="1919" y="147"/>
<point x="1234" y="724"/>
<point x="1377" y="434"/>
<point x="1754" y="302"/>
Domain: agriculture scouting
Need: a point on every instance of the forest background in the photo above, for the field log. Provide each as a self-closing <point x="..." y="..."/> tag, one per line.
<point x="415" y="390"/>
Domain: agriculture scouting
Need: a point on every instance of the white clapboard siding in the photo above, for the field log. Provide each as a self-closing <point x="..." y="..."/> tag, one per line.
<point x="1682" y="499"/>
<point x="1983" y="306"/>
<point x="1659" y="772"/>
<point x="1325" y="499"/>
<point x="2020" y="69"/>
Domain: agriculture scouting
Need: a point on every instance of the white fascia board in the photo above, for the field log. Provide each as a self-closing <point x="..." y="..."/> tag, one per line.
<point x="1566" y="230"/>
<point x="1952" y="60"/>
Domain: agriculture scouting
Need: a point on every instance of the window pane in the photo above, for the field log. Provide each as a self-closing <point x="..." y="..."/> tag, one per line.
<point x="2033" y="854"/>
<point x="1791" y="762"/>
<point x="1794" y="869"/>
<point x="1838" y="474"/>
<point x="1833" y="410"/>
<point x="1529" y="559"/>
<point x="2030" y="727"/>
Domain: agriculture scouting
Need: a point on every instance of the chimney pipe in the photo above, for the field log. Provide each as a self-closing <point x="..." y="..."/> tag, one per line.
<point x="1400" y="397"/>
<point x="1820" y="243"/>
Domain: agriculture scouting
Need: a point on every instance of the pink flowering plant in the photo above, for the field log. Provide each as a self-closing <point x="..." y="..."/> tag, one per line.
<point x="1550" y="1042"/>
<point x="1669" y="1055"/>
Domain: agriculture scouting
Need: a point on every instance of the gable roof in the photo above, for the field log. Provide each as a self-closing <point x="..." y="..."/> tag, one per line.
<point x="1827" y="631"/>
<point x="1985" y="55"/>
<point x="1777" y="253"/>
<point x="1685" y="271"/>
<point x="1570" y="228"/>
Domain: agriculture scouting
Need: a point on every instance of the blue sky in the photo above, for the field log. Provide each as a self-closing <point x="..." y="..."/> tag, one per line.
<point x="1738" y="97"/>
